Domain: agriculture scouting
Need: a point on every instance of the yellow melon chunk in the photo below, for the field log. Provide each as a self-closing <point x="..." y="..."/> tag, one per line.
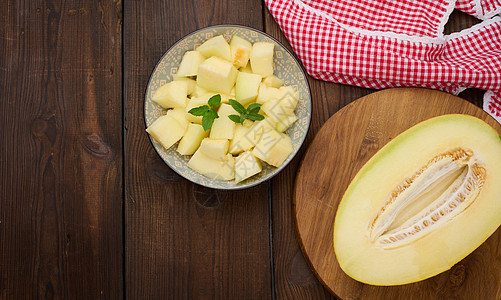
<point x="180" y="115"/>
<point x="246" y="166"/>
<point x="223" y="127"/>
<point x="240" y="51"/>
<point x="215" y="149"/>
<point x="191" y="139"/>
<point x="237" y="144"/>
<point x="273" y="147"/>
<point x="166" y="130"/>
<point x="189" y="64"/>
<point x="216" y="46"/>
<point x="172" y="94"/>
<point x="273" y="81"/>
<point x="286" y="122"/>
<point x="422" y="203"/>
<point x="213" y="168"/>
<point x="246" y="87"/>
<point x="250" y="137"/>
<point x="261" y="58"/>
<point x="190" y="83"/>
<point x="217" y="75"/>
<point x="192" y="103"/>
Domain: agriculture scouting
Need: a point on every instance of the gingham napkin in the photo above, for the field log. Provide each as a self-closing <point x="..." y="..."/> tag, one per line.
<point x="381" y="44"/>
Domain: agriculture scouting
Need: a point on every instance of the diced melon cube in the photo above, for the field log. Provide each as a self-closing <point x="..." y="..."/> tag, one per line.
<point x="273" y="147"/>
<point x="166" y="130"/>
<point x="199" y="91"/>
<point x="192" y="103"/>
<point x="217" y="75"/>
<point x="224" y="98"/>
<point x="191" y="139"/>
<point x="266" y="93"/>
<point x="273" y="81"/>
<point x="277" y="110"/>
<point x="216" y="46"/>
<point x="190" y="83"/>
<point x="215" y="149"/>
<point x="246" y="69"/>
<point x="246" y="87"/>
<point x="223" y="127"/>
<point x="284" y="123"/>
<point x="261" y="58"/>
<point x="248" y="123"/>
<point x="172" y="94"/>
<point x="213" y="168"/>
<point x="180" y="115"/>
<point x="289" y="104"/>
<point x="240" y="51"/>
<point x="189" y="64"/>
<point x="285" y="92"/>
<point x="253" y="135"/>
<point x="246" y="165"/>
<point x="237" y="144"/>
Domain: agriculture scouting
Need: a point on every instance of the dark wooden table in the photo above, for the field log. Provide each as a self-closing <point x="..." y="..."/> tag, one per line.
<point x="87" y="207"/>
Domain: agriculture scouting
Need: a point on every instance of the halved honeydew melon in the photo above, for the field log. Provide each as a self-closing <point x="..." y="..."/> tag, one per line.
<point x="422" y="203"/>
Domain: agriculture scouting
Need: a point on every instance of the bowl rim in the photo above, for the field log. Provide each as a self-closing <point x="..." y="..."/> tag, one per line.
<point x="278" y="169"/>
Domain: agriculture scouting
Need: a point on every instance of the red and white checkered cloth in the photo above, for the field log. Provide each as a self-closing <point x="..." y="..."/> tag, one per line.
<point x="381" y="44"/>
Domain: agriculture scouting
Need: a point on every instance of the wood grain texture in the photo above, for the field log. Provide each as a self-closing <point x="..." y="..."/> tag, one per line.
<point x="61" y="153"/>
<point x="293" y="276"/>
<point x="61" y="170"/>
<point x="353" y="136"/>
<point x="184" y="241"/>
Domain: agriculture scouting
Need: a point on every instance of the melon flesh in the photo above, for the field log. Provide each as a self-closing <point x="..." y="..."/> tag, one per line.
<point x="422" y="203"/>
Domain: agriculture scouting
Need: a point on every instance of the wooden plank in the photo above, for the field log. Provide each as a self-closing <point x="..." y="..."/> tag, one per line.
<point x="61" y="154"/>
<point x="293" y="277"/>
<point x="184" y="241"/>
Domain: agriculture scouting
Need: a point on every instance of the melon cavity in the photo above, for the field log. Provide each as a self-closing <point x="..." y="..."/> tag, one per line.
<point x="422" y="203"/>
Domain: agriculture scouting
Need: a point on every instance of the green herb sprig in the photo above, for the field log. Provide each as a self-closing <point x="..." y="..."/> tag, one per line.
<point x="251" y="112"/>
<point x="207" y="112"/>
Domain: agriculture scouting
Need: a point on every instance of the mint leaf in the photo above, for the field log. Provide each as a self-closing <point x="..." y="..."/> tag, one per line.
<point x="255" y="117"/>
<point x="250" y="113"/>
<point x="237" y="106"/>
<point x="234" y="118"/>
<point x="199" y="111"/>
<point x="254" y="108"/>
<point x="208" y="119"/>
<point x="215" y="101"/>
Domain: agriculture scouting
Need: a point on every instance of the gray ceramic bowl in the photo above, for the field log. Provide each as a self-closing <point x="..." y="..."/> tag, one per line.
<point x="286" y="67"/>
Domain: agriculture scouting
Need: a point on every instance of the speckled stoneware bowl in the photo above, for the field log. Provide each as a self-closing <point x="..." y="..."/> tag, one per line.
<point x="286" y="67"/>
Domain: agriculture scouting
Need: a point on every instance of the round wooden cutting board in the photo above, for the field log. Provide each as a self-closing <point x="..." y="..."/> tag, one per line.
<point x="341" y="147"/>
